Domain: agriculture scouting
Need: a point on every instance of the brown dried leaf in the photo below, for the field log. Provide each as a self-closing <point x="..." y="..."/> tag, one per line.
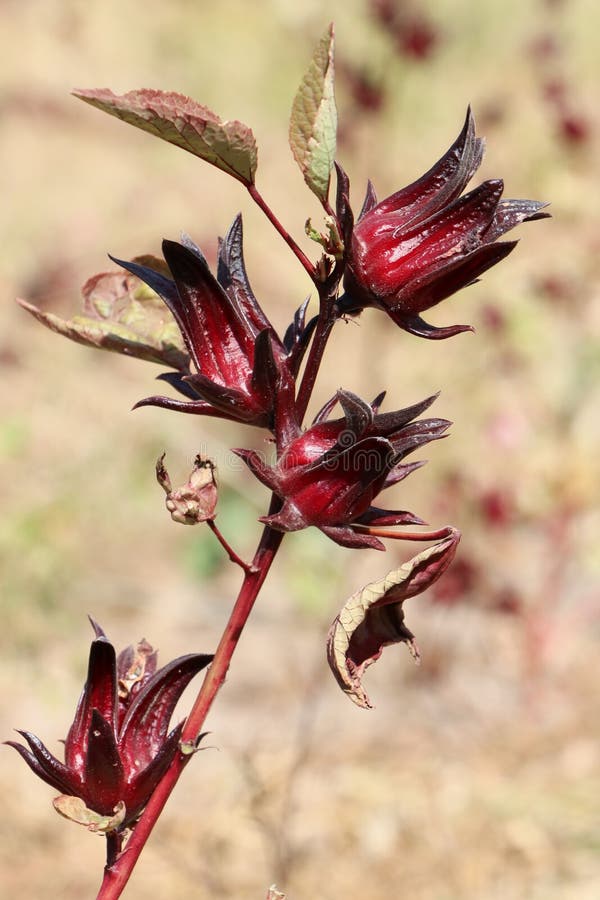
<point x="373" y="617"/>
<point x="122" y="314"/>
<point x="228" y="145"/>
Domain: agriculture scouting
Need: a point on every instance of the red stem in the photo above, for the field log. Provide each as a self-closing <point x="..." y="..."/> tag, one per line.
<point x="327" y="296"/>
<point x="326" y="320"/>
<point x="313" y="363"/>
<point x="258" y="199"/>
<point x="116" y="877"/>
<point x="233" y="556"/>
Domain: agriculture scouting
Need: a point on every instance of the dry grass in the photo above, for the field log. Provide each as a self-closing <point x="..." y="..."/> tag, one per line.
<point x="476" y="776"/>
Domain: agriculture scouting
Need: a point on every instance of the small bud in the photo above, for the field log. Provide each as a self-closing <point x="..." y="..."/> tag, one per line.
<point x="196" y="501"/>
<point x="188" y="748"/>
<point x="331" y="242"/>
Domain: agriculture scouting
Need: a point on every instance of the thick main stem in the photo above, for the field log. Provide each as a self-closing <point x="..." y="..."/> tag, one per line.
<point x="117" y="876"/>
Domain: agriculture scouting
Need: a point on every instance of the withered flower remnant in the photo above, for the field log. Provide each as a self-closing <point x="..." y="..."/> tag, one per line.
<point x="118" y="747"/>
<point x="329" y="475"/>
<point x="426" y="241"/>
<point x="196" y="500"/>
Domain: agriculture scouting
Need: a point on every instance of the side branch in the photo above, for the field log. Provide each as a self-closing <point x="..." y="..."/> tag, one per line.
<point x="258" y="199"/>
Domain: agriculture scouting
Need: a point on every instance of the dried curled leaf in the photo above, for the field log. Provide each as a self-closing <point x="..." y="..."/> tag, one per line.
<point x="313" y="123"/>
<point x="373" y="617"/>
<point x="120" y="313"/>
<point x="74" y="808"/>
<point x="228" y="145"/>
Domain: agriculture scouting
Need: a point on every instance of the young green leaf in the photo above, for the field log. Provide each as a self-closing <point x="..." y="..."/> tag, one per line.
<point x="122" y="314"/>
<point x="373" y="617"/>
<point x="313" y="123"/>
<point x="228" y="145"/>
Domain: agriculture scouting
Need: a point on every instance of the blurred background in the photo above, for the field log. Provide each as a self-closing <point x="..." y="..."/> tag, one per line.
<point x="477" y="774"/>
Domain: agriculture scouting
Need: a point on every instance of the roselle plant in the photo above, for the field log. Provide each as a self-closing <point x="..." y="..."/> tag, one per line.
<point x="224" y="359"/>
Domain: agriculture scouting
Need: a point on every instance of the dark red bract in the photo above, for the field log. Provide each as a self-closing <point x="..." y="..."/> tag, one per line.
<point x="118" y="748"/>
<point x="243" y="371"/>
<point x="425" y="242"/>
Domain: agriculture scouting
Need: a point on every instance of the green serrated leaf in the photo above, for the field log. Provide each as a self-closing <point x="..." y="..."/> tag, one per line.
<point x="313" y="123"/>
<point x="119" y="316"/>
<point x="228" y="145"/>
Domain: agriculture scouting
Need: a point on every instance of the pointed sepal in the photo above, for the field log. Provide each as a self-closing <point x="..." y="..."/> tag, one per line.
<point x="43" y="763"/>
<point x="100" y="695"/>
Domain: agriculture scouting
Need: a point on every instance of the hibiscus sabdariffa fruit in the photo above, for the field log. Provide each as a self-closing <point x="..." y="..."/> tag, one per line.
<point x="119" y="746"/>
<point x="426" y="241"/>
<point x="329" y="475"/>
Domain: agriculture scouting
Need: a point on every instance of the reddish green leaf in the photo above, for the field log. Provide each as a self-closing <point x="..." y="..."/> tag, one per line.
<point x="313" y="123"/>
<point x="373" y="617"/>
<point x="120" y="313"/>
<point x="228" y="145"/>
